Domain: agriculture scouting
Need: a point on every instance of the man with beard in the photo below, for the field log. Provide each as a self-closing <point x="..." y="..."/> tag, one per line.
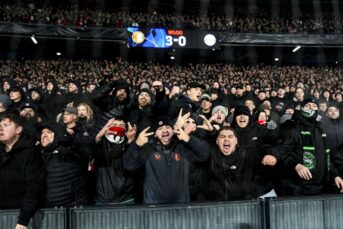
<point x="333" y="126"/>
<point x="166" y="161"/>
<point x="22" y="174"/>
<point x="304" y="153"/>
<point x="112" y="99"/>
<point x="142" y="113"/>
<point x="187" y="102"/>
<point x="31" y="120"/>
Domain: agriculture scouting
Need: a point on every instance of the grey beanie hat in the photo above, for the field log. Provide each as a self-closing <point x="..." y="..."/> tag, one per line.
<point x="5" y="100"/>
<point x="220" y="108"/>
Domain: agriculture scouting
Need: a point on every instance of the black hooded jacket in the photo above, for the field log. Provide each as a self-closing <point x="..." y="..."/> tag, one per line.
<point x="184" y="103"/>
<point x="54" y="102"/>
<point x="22" y="178"/>
<point x="303" y="141"/>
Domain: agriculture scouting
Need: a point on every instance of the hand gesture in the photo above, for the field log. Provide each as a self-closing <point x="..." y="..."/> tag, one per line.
<point x="104" y="130"/>
<point x="181" y="120"/>
<point x="339" y="183"/>
<point x="182" y="135"/>
<point x="269" y="160"/>
<point x="206" y="124"/>
<point x="157" y="85"/>
<point x="303" y="172"/>
<point x="131" y="132"/>
<point x="143" y="137"/>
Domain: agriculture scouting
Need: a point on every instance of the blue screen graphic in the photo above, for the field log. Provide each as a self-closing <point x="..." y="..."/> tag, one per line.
<point x="153" y="37"/>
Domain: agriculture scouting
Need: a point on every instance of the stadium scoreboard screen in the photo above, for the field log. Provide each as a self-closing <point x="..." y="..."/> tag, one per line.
<point x="172" y="38"/>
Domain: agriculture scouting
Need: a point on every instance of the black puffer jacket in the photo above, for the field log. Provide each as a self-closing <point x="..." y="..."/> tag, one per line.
<point x="65" y="180"/>
<point x="22" y="178"/>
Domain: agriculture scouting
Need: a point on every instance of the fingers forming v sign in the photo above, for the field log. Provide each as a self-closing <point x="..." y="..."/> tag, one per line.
<point x="182" y="136"/>
<point x="131" y="132"/>
<point x="181" y="120"/>
<point x="143" y="137"/>
<point x="206" y="124"/>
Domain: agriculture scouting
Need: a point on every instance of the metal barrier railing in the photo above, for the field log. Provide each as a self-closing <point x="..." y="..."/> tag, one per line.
<point x="43" y="219"/>
<point x="219" y="215"/>
<point x="313" y="212"/>
<point x="306" y="212"/>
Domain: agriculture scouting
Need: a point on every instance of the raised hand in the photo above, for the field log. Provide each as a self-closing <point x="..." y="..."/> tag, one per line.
<point x="206" y="124"/>
<point x="182" y="135"/>
<point x="104" y="130"/>
<point x="131" y="132"/>
<point x="181" y="120"/>
<point x="143" y="137"/>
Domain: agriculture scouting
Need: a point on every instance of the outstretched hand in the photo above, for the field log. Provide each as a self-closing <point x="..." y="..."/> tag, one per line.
<point x="181" y="120"/>
<point x="131" y="132"/>
<point x="143" y="137"/>
<point x="206" y="124"/>
<point x="182" y="135"/>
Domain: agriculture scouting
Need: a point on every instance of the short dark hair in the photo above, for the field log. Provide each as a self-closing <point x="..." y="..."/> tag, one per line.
<point x="226" y="128"/>
<point x="14" y="118"/>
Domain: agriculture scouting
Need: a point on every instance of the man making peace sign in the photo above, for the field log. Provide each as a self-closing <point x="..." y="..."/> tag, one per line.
<point x="166" y="159"/>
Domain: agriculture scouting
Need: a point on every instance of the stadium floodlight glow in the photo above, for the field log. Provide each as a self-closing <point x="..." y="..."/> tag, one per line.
<point x="172" y="57"/>
<point x="34" y="39"/>
<point x="296" y="48"/>
<point x="58" y="53"/>
<point x="276" y="59"/>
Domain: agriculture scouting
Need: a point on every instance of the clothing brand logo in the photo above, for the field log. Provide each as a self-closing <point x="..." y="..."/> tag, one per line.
<point x="177" y="157"/>
<point x="157" y="156"/>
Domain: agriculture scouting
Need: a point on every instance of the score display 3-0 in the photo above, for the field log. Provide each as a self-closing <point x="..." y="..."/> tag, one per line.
<point x="172" y="38"/>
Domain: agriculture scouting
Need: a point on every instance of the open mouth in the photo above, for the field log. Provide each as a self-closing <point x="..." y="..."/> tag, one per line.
<point x="227" y="146"/>
<point x="165" y="137"/>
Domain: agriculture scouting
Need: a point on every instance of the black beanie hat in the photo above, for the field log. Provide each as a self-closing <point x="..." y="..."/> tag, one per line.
<point x="161" y="121"/>
<point x="308" y="100"/>
<point x="150" y="93"/>
<point x="241" y="109"/>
